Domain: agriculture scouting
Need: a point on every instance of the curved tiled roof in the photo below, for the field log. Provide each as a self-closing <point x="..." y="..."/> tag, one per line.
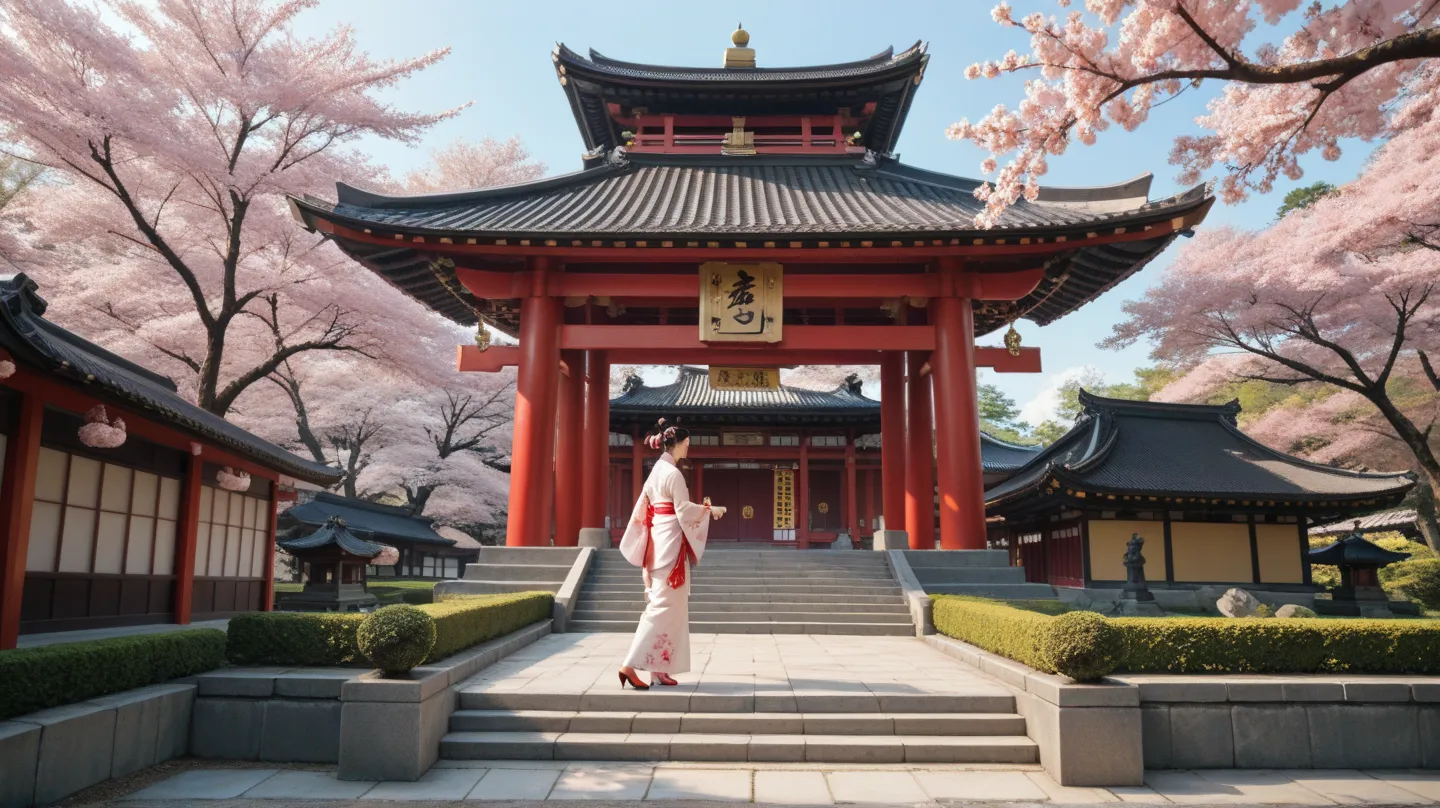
<point x="1161" y="449"/>
<point x="1355" y="550"/>
<point x="384" y="522"/>
<point x="779" y="198"/>
<point x="335" y="531"/>
<point x="1402" y="519"/>
<point x="691" y="393"/>
<point x="37" y="342"/>
<point x="1000" y="456"/>
<point x="604" y="65"/>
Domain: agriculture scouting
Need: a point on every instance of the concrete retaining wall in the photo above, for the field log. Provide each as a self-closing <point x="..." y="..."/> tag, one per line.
<point x="51" y="754"/>
<point x="1278" y="722"/>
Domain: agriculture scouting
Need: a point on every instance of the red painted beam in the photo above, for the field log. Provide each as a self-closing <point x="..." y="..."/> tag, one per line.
<point x="1000" y="360"/>
<point x="17" y="500"/>
<point x="472" y="359"/>
<point x="797" y="338"/>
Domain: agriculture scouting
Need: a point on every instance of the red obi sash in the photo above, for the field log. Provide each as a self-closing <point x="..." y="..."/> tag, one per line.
<point x="677" y="575"/>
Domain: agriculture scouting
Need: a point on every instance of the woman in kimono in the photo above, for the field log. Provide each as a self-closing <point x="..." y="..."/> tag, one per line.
<point x="665" y="538"/>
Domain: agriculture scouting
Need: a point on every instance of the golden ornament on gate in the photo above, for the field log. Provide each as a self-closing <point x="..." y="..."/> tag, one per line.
<point x="1012" y="341"/>
<point x="747" y="512"/>
<point x="823" y="507"/>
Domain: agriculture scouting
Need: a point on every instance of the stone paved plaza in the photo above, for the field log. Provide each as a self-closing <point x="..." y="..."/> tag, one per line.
<point x="794" y="784"/>
<point x="779" y="672"/>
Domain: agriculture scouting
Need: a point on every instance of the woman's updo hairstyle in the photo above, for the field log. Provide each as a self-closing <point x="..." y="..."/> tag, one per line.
<point x="664" y="435"/>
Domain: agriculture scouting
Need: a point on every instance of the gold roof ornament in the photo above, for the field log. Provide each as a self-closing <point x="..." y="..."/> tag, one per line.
<point x="1012" y="340"/>
<point x="482" y="338"/>
<point x="740" y="56"/>
<point x="738" y="141"/>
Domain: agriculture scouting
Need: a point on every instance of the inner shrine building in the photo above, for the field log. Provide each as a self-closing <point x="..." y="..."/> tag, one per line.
<point x="749" y="218"/>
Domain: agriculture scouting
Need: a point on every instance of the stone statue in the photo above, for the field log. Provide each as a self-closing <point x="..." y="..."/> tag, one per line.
<point x="1135" y="587"/>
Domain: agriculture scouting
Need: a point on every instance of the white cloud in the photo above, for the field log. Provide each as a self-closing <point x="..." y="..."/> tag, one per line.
<point x="1042" y="406"/>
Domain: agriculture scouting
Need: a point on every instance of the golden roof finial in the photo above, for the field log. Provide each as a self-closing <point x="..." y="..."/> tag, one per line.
<point x="740" y="55"/>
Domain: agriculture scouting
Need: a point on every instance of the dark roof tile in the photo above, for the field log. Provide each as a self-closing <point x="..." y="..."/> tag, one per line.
<point x="385" y="522"/>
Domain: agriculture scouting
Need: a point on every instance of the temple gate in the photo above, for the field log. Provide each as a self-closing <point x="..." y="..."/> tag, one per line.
<point x="749" y="217"/>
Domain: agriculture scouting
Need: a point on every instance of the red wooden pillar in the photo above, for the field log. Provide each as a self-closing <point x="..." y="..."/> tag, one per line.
<point x="869" y="510"/>
<point x="892" y="439"/>
<point x="569" y="462"/>
<point x="532" y="452"/>
<point x="189" y="529"/>
<point x="637" y="465"/>
<point x="852" y="520"/>
<point x="595" y="477"/>
<point x="962" y="488"/>
<point x="802" y="496"/>
<point x="269" y="570"/>
<point x="17" y="503"/>
<point x="920" y="468"/>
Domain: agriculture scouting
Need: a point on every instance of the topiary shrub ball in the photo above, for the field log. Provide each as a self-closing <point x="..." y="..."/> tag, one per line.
<point x="396" y="638"/>
<point x="1084" y="646"/>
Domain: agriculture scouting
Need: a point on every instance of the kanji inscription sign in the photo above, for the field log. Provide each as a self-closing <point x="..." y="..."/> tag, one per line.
<point x="741" y="302"/>
<point x="784" y="499"/>
<point x="744" y="378"/>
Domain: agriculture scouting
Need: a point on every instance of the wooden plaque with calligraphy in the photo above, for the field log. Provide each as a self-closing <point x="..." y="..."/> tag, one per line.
<point x="741" y="302"/>
<point x="744" y="378"/>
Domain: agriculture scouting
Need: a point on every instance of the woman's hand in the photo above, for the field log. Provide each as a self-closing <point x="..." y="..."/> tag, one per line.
<point x="717" y="511"/>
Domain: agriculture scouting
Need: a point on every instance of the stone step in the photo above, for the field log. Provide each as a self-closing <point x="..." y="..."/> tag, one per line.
<point x="969" y="575"/>
<point x="467" y="587"/>
<point x="738" y="590"/>
<point x="999" y="591"/>
<point x="675" y="701"/>
<point x="957" y="558"/>
<point x="721" y="747"/>
<point x="636" y="596"/>
<point x="748" y="615"/>
<point x="636" y="605"/>
<point x="754" y="627"/>
<point x="528" y="555"/>
<point x="955" y="724"/>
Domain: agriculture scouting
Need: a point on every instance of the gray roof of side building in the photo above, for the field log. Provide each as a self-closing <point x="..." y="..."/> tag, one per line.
<point x="1173" y="450"/>
<point x="691" y="395"/>
<point x="335" y="531"/>
<point x="39" y="343"/>
<point x="384" y="522"/>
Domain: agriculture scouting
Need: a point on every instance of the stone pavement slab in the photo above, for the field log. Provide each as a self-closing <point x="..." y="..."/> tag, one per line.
<point x="980" y="785"/>
<point x="875" y="787"/>
<point x="436" y="784"/>
<point x="700" y="784"/>
<point x="1069" y="795"/>
<point x="205" y="784"/>
<point x="792" y="788"/>
<point x="1424" y="783"/>
<point x="515" y="784"/>
<point x="1349" y="787"/>
<point x="1265" y="787"/>
<point x="600" y="782"/>
<point x="308" y="786"/>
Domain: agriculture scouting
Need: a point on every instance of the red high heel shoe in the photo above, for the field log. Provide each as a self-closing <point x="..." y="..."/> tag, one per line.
<point x="664" y="679"/>
<point x="633" y="680"/>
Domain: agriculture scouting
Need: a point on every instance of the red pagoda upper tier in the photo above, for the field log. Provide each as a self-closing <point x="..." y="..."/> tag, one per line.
<point x="827" y="109"/>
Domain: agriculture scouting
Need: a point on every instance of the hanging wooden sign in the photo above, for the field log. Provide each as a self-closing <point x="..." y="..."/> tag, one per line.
<point x="784" y="499"/>
<point x="744" y="378"/>
<point x="742" y="439"/>
<point x="741" y="302"/>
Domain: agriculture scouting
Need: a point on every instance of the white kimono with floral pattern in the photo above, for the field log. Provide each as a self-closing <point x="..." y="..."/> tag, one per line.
<point x="662" y="641"/>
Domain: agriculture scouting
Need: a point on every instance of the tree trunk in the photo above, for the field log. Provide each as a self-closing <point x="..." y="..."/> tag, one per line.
<point x="1424" y="455"/>
<point x="1425" y="518"/>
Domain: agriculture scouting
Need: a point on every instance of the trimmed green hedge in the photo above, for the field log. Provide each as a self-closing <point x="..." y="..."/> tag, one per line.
<point x="1220" y="645"/>
<point x="36" y="678"/>
<point x="299" y="638"/>
<point x="397" y="638"/>
<point x="1202" y="644"/>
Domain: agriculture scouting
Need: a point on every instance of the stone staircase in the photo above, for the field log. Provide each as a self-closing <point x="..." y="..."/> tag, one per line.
<point x="513" y="569"/>
<point x="758" y="592"/>
<point x="983" y="573"/>
<point x="524" y="726"/>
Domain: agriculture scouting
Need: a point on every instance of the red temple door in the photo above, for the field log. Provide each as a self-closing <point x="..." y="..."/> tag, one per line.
<point x="749" y="497"/>
<point x="826" y="513"/>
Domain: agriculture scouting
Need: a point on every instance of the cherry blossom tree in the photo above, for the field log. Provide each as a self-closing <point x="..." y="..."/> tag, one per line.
<point x="1349" y="69"/>
<point x="463" y="164"/>
<point x="1345" y="293"/>
<point x="176" y="139"/>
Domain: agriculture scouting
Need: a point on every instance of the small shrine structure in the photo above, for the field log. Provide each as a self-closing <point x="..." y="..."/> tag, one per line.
<point x="333" y="561"/>
<point x="1359" y="560"/>
<point x="1214" y="506"/>
<point x="750" y="217"/>
<point x="422" y="550"/>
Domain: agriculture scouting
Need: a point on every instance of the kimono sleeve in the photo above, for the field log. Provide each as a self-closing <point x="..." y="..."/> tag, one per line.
<point x="694" y="517"/>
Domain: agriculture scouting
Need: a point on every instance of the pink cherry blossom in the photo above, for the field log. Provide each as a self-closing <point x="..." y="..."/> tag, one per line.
<point x="1323" y="83"/>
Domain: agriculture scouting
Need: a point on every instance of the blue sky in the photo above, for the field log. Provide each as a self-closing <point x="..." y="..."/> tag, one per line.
<point x="501" y="63"/>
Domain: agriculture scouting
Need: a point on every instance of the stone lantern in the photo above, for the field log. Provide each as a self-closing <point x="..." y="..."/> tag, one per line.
<point x="333" y="560"/>
<point x="1359" y="561"/>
